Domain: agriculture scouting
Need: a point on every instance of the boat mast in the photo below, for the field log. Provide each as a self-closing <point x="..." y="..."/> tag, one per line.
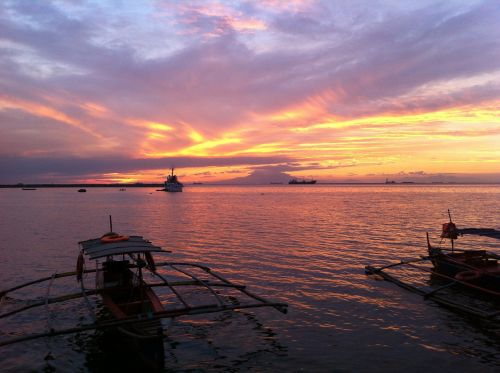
<point x="451" y="235"/>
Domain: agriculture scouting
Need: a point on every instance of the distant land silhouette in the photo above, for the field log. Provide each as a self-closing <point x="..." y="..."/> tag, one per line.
<point x="82" y="185"/>
<point x="229" y="182"/>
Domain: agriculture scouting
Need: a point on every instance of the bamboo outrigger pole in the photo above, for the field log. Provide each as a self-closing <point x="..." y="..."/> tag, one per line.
<point x="221" y="278"/>
<point x="217" y="297"/>
<point x="64" y="298"/>
<point x="141" y="317"/>
<point x="434" y="297"/>
<point x="56" y="275"/>
<point x="373" y="270"/>
<point x="468" y="284"/>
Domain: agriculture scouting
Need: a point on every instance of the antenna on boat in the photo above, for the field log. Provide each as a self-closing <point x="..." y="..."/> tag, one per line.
<point x="111" y="223"/>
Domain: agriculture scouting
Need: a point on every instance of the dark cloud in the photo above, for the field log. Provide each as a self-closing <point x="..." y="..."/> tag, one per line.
<point x="16" y="169"/>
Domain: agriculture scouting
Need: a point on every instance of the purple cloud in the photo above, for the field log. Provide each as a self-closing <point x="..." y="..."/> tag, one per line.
<point x="218" y="66"/>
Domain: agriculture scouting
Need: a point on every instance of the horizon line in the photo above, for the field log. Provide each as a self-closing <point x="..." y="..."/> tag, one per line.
<point x="151" y="185"/>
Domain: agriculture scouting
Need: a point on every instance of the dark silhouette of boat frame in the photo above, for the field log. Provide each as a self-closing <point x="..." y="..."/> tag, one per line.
<point x="136" y="309"/>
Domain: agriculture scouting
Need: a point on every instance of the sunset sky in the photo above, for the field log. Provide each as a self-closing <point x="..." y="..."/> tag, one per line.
<point x="258" y="91"/>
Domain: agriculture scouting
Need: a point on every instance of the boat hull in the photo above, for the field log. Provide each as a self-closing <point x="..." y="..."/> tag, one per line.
<point x="473" y="266"/>
<point x="173" y="187"/>
<point x="117" y="352"/>
<point x="298" y="182"/>
<point x="145" y="337"/>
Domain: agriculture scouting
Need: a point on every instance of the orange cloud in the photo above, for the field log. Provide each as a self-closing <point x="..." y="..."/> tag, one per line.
<point x="488" y="114"/>
<point x="46" y="111"/>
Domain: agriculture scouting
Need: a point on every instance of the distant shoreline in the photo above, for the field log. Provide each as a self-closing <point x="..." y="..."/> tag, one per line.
<point x="156" y="185"/>
<point x="136" y="185"/>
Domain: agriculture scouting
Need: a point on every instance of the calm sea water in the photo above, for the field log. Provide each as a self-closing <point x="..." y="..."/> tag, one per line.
<point x="304" y="245"/>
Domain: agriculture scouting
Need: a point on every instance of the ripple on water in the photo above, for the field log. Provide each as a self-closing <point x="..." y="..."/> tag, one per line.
<point x="304" y="246"/>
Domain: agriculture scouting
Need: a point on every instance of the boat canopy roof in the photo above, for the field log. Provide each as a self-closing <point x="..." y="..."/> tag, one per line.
<point x="487" y="232"/>
<point x="95" y="248"/>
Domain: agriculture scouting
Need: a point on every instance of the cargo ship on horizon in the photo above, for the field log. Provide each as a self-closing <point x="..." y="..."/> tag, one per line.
<point x="302" y="181"/>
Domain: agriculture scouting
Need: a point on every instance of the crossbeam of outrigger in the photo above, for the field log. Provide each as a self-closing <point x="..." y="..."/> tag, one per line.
<point x="475" y="270"/>
<point x="195" y="310"/>
<point x="432" y="294"/>
<point x="220" y="306"/>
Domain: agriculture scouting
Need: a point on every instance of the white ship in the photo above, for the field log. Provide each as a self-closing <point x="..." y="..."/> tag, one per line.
<point x="173" y="184"/>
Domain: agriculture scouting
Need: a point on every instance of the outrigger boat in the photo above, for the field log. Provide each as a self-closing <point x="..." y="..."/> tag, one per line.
<point x="136" y="310"/>
<point x="477" y="267"/>
<point x="473" y="273"/>
<point x="124" y="292"/>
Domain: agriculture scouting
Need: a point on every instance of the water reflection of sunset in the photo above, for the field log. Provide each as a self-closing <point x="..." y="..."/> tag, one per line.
<point x="304" y="246"/>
